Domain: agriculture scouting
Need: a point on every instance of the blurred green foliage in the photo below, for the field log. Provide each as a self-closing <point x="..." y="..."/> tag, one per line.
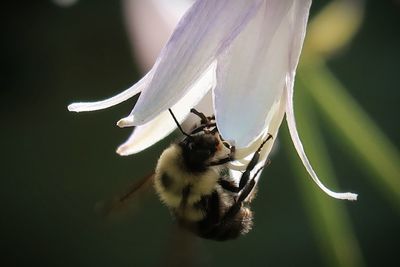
<point x="57" y="165"/>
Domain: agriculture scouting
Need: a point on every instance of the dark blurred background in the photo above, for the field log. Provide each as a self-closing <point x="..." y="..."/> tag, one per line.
<point x="57" y="165"/>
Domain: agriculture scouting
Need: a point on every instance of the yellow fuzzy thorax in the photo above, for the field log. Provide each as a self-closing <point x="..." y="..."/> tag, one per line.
<point x="201" y="184"/>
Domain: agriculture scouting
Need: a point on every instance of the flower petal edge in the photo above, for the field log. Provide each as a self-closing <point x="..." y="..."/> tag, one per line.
<point x="112" y="101"/>
<point x="290" y="119"/>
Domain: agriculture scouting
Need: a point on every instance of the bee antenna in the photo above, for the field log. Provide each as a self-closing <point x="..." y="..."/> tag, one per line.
<point x="177" y="123"/>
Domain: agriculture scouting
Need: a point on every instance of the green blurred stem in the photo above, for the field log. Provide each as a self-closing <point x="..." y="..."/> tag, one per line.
<point x="329" y="217"/>
<point x="379" y="157"/>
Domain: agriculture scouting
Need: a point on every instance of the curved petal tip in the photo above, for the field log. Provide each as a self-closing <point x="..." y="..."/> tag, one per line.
<point x="300" y="150"/>
<point x="77" y="107"/>
<point x="351" y="196"/>
<point x="122" y="150"/>
<point x="126" y="122"/>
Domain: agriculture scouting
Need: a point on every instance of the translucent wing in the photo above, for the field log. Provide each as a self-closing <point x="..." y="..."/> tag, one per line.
<point x="135" y="192"/>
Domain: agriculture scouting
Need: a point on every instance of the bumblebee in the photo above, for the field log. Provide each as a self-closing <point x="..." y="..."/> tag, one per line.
<point x="192" y="179"/>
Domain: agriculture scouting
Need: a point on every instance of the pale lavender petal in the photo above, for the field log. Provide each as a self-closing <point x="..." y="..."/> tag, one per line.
<point x="121" y="97"/>
<point x="197" y="91"/>
<point x="277" y="112"/>
<point x="300" y="150"/>
<point x="205" y="106"/>
<point x="273" y="128"/>
<point x="301" y="11"/>
<point x="204" y="31"/>
<point x="251" y="74"/>
<point x="151" y="132"/>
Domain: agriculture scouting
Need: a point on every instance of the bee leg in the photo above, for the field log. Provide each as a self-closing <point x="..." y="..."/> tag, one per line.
<point x="209" y="226"/>
<point x="233" y="221"/>
<point x="203" y="118"/>
<point x="202" y="126"/>
<point x="249" y="187"/>
<point x="215" y="130"/>
<point x="235" y="208"/>
<point x="244" y="179"/>
<point x="253" y="162"/>
<point x="228" y="185"/>
<point x="221" y="161"/>
<point x="237" y="219"/>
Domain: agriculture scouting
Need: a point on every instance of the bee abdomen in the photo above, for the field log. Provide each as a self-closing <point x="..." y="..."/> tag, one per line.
<point x="229" y="229"/>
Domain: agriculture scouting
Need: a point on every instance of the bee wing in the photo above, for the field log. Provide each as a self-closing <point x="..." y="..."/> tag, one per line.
<point x="183" y="248"/>
<point x="135" y="191"/>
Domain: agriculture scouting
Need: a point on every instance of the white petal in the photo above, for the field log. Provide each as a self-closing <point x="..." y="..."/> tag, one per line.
<point x="121" y="97"/>
<point x="205" y="106"/>
<point x="204" y="31"/>
<point x="300" y="150"/>
<point x="273" y="128"/>
<point x="277" y="112"/>
<point x="251" y="74"/>
<point x="300" y="19"/>
<point x="300" y="12"/>
<point x="150" y="133"/>
<point x="197" y="90"/>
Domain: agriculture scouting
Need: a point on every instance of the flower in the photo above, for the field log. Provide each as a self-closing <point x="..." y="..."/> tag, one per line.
<point x="239" y="59"/>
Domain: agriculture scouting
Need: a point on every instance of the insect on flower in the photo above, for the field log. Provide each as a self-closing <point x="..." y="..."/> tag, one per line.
<point x="238" y="60"/>
<point x="193" y="180"/>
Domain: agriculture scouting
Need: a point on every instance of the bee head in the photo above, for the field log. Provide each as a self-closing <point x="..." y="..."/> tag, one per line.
<point x="198" y="150"/>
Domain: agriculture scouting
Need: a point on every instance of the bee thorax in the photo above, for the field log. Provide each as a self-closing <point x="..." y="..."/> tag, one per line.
<point x="172" y="179"/>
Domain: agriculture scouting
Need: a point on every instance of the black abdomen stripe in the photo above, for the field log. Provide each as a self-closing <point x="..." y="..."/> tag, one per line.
<point x="166" y="181"/>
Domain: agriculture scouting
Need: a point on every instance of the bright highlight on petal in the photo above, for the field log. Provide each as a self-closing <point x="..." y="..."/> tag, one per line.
<point x="121" y="97"/>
